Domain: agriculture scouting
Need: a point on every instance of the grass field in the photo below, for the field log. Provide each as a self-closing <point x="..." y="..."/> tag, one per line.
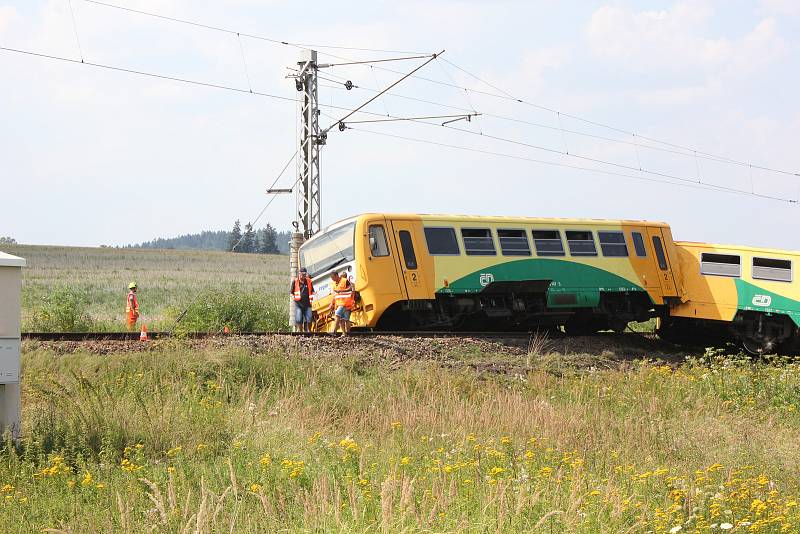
<point x="168" y="281"/>
<point x="388" y="435"/>
<point x="267" y="438"/>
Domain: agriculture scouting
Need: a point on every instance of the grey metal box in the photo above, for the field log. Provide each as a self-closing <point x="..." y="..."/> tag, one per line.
<point x="9" y="360"/>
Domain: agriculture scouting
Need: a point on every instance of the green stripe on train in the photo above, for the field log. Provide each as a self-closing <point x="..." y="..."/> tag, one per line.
<point x="752" y="297"/>
<point x="568" y="278"/>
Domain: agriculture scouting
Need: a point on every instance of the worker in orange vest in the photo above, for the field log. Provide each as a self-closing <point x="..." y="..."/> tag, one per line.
<point x="343" y="303"/>
<point x="302" y="291"/>
<point x="132" y="306"/>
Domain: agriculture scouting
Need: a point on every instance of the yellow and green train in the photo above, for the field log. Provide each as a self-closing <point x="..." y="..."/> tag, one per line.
<point x="448" y="272"/>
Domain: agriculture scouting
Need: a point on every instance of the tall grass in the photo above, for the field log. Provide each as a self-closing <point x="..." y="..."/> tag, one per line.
<point x="177" y="438"/>
<point x="167" y="279"/>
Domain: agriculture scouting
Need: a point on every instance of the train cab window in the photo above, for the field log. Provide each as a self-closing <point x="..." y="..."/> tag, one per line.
<point x="659" y="248"/>
<point x="548" y="243"/>
<point x="513" y="242"/>
<point x="441" y="241"/>
<point x="478" y="242"/>
<point x="408" y="249"/>
<point x="720" y="264"/>
<point x="772" y="269"/>
<point x="638" y="244"/>
<point x="613" y="244"/>
<point x="377" y="241"/>
<point x="581" y="243"/>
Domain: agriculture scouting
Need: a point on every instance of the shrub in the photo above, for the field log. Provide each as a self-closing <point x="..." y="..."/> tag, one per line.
<point x="61" y="310"/>
<point x="241" y="312"/>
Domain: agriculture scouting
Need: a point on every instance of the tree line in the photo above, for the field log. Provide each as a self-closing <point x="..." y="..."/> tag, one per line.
<point x="265" y="240"/>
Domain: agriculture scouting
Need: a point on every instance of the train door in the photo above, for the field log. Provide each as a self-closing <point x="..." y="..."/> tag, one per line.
<point x="382" y="267"/>
<point x="665" y="270"/>
<point x="642" y="259"/>
<point x="409" y="245"/>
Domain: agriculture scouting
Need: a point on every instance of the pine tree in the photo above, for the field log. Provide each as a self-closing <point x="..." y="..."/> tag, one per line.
<point x="248" y="242"/>
<point x="268" y="242"/>
<point x="235" y="236"/>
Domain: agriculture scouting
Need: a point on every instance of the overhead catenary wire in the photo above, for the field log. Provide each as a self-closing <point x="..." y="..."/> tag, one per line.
<point x="360" y="110"/>
<point x="170" y="78"/>
<point x="620" y="130"/>
<point x="252" y="223"/>
<point x="75" y="29"/>
<point x="249" y="35"/>
<point x="486" y="114"/>
<point x="500" y="93"/>
<point x="703" y="186"/>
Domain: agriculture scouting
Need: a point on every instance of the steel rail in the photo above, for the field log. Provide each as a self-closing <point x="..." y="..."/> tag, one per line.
<point x="134" y="336"/>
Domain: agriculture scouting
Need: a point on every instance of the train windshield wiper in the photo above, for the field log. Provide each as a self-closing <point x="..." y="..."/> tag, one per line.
<point x="334" y="264"/>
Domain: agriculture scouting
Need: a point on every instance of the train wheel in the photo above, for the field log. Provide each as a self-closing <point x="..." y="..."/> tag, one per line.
<point x="758" y="348"/>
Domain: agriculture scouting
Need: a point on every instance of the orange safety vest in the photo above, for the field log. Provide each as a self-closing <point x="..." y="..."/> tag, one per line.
<point x="297" y="294"/>
<point x="343" y="294"/>
<point x="132" y="306"/>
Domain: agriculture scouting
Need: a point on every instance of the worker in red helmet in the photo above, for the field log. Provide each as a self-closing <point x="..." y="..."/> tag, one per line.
<point x="132" y="306"/>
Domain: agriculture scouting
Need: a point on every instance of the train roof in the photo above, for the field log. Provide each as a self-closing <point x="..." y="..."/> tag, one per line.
<point x="743" y="248"/>
<point x="507" y="219"/>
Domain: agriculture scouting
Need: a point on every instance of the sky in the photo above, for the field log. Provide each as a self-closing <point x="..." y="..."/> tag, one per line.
<point x="91" y="156"/>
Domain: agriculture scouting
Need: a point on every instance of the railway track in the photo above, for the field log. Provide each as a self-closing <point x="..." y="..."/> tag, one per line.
<point x="134" y="336"/>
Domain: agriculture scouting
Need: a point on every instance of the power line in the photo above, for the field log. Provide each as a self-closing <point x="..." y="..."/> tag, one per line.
<point x="619" y="130"/>
<point x="75" y="29"/>
<point x="503" y="93"/>
<point x="250" y="35"/>
<point x="145" y="73"/>
<point x="703" y="186"/>
<point x="173" y="78"/>
<point x="350" y="112"/>
<point x="233" y="248"/>
<point x="562" y="130"/>
<point x="507" y="96"/>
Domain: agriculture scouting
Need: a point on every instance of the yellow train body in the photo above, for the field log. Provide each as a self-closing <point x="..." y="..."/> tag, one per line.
<point x="391" y="261"/>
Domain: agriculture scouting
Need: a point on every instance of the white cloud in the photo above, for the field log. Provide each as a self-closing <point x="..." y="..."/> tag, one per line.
<point x="7" y="16"/>
<point x="781" y="7"/>
<point x="677" y="39"/>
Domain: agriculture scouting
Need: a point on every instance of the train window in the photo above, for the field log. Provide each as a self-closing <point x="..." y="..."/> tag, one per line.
<point x="513" y="242"/>
<point x="441" y="241"/>
<point x="662" y="259"/>
<point x="772" y="269"/>
<point x="548" y="243"/>
<point x="581" y="243"/>
<point x="638" y="244"/>
<point x="408" y="249"/>
<point x="328" y="249"/>
<point x="720" y="264"/>
<point x="377" y="241"/>
<point x="478" y="241"/>
<point x="613" y="244"/>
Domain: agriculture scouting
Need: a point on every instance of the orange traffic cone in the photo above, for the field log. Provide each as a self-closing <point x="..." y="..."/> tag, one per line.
<point x="226" y="330"/>
<point x="143" y="334"/>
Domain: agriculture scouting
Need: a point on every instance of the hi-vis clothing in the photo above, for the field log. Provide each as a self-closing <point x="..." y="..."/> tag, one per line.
<point x="132" y="308"/>
<point x="343" y="294"/>
<point x="297" y="293"/>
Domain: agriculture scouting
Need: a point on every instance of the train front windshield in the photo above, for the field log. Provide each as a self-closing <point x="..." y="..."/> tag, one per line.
<point x="328" y="250"/>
